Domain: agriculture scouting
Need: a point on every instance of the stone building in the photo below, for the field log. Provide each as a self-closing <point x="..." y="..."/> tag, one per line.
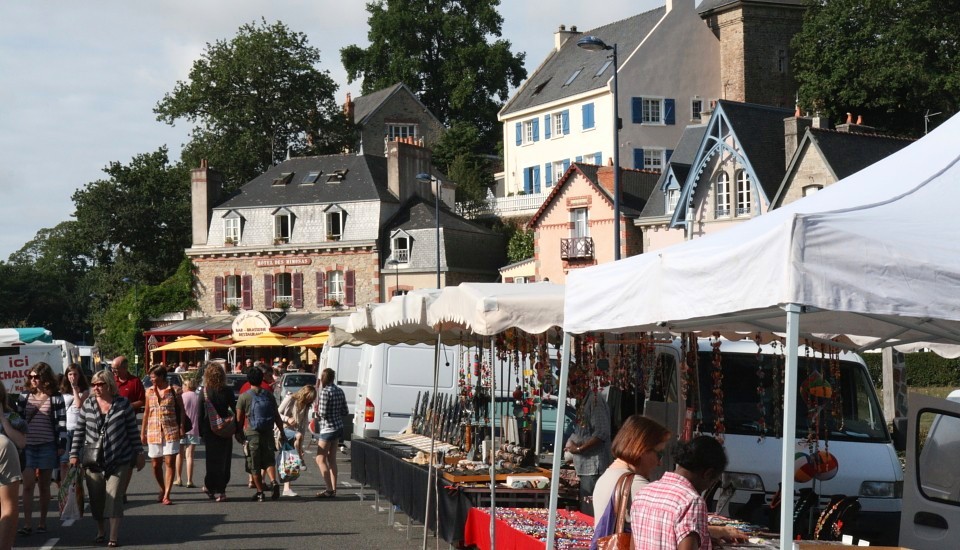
<point x="390" y="114"/>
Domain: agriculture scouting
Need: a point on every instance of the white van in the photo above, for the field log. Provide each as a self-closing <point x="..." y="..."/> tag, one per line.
<point x="389" y="379"/>
<point x="345" y="362"/>
<point x="867" y="462"/>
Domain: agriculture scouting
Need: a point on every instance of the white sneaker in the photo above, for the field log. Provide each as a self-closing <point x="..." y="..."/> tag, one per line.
<point x="289" y="493"/>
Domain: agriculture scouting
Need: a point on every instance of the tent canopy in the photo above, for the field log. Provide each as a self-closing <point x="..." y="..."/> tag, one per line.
<point x="874" y="257"/>
<point x="491" y="308"/>
<point x="25" y="335"/>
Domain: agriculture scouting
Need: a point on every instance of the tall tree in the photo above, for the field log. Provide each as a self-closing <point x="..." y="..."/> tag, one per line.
<point x="889" y="60"/>
<point x="440" y="50"/>
<point x="253" y="99"/>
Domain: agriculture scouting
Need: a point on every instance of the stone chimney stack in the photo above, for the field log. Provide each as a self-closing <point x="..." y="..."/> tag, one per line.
<point x="562" y="35"/>
<point x="793" y="129"/>
<point x="406" y="159"/>
<point x="857" y="127"/>
<point x="205" y="187"/>
<point x="348" y="108"/>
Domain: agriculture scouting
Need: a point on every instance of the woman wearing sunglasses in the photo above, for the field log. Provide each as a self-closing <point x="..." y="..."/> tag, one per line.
<point x="109" y="419"/>
<point x="46" y="414"/>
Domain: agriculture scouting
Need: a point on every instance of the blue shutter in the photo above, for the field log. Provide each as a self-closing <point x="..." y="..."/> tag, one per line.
<point x="588" y="116"/>
<point x="598" y="158"/>
<point x="636" y="108"/>
<point x="566" y="165"/>
<point x="638" y="159"/>
<point x="547" y="174"/>
<point x="536" y="179"/>
<point x="667" y="156"/>
<point x="669" y="112"/>
<point x="579" y="159"/>
<point x="546" y="126"/>
<point x="566" y="121"/>
<point x="536" y="129"/>
<point x="527" y="186"/>
<point x="519" y="134"/>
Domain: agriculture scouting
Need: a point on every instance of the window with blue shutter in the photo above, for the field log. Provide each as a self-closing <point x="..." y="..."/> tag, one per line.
<point x="519" y="134"/>
<point x="566" y="165"/>
<point x="638" y="159"/>
<point x="536" y="129"/>
<point x="588" y="116"/>
<point x="669" y="112"/>
<point x="667" y="156"/>
<point x="547" y="174"/>
<point x="546" y="126"/>
<point x="566" y="121"/>
<point x="636" y="112"/>
<point x="536" y="179"/>
<point x="527" y="185"/>
<point x="579" y="159"/>
<point x="598" y="159"/>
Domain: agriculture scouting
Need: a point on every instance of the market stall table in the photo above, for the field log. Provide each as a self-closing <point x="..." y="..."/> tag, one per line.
<point x="526" y="528"/>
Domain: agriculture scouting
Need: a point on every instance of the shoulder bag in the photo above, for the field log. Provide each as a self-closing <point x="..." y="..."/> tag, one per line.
<point x="92" y="456"/>
<point x="621" y="539"/>
<point x="220" y="426"/>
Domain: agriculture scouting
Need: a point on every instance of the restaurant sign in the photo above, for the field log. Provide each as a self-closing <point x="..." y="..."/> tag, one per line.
<point x="248" y="324"/>
<point x="278" y="262"/>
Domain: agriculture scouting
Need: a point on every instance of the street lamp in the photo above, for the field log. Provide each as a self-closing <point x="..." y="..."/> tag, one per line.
<point x="136" y="307"/>
<point x="396" y="267"/>
<point x="595" y="44"/>
<point x="424" y="177"/>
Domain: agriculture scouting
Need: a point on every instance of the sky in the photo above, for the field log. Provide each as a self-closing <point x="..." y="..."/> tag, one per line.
<point x="79" y="80"/>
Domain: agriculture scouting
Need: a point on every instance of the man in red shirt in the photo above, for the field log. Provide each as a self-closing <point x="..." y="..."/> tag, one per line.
<point x="128" y="385"/>
<point x="267" y="383"/>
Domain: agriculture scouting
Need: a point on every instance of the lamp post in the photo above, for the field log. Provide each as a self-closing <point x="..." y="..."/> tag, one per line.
<point x="396" y="269"/>
<point x="136" y="306"/>
<point x="424" y="177"/>
<point x="594" y="43"/>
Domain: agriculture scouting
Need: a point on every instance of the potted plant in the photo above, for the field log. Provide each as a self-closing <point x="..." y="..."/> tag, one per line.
<point x="333" y="302"/>
<point x="280" y="240"/>
<point x="229" y="241"/>
<point x="281" y="304"/>
<point x="332" y="237"/>
<point x="233" y="309"/>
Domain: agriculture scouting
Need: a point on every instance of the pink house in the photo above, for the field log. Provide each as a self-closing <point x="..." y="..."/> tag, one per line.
<point x="574" y="226"/>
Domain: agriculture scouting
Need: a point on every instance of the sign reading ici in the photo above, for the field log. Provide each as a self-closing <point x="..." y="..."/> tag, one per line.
<point x="248" y="324"/>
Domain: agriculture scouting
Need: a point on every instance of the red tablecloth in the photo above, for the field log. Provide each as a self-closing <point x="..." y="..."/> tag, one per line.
<point x="526" y="528"/>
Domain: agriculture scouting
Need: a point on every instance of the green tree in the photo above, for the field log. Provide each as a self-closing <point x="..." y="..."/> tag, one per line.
<point x="887" y="60"/>
<point x="440" y="50"/>
<point x="520" y="245"/>
<point x="253" y="99"/>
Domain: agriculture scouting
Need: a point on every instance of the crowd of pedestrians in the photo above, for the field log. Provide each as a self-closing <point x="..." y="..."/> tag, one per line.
<point x="61" y="424"/>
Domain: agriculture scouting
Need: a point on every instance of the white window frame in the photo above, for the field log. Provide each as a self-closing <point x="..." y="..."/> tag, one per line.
<point x="652" y="110"/>
<point x="722" y="195"/>
<point x="527" y="132"/>
<point x="397" y="130"/>
<point x="283" y="288"/>
<point x="231" y="229"/>
<point x="520" y="280"/>
<point x="558" y="171"/>
<point x="401" y="253"/>
<point x="672" y="198"/>
<point x="278" y="225"/>
<point x="580" y="218"/>
<point x="696" y="108"/>
<point x="336" y="286"/>
<point x="653" y="159"/>
<point x="557" y="121"/>
<point x="333" y="223"/>
<point x="744" y="193"/>
<point x="233" y="290"/>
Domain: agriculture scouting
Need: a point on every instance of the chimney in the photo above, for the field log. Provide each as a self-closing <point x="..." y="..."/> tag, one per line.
<point x="858" y="127"/>
<point x="205" y="187"/>
<point x="348" y="108"/>
<point x="404" y="161"/>
<point x="793" y="129"/>
<point x="605" y="178"/>
<point x="562" y="35"/>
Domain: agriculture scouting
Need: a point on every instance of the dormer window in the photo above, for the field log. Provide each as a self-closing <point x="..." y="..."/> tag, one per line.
<point x="334" y="219"/>
<point x="400" y="245"/>
<point x="231" y="228"/>
<point x="673" y="196"/>
<point x="283" y="179"/>
<point x="282" y="225"/>
<point x="396" y="131"/>
<point x="311" y="177"/>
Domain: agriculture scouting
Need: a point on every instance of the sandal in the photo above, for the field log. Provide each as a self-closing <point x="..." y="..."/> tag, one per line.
<point x="207" y="492"/>
<point x="25" y="531"/>
<point x="100" y="539"/>
<point x="327" y="494"/>
<point x="190" y="486"/>
<point x="113" y="544"/>
<point x="178" y="483"/>
<point x="166" y="502"/>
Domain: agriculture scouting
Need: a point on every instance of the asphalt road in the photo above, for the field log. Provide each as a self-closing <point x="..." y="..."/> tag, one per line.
<point x="302" y="522"/>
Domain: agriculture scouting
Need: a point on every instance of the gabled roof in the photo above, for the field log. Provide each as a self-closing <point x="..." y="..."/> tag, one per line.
<point x="708" y="6"/>
<point x="365" y="106"/>
<point x="678" y="167"/>
<point x="635" y="188"/>
<point x="845" y="153"/>
<point x="364" y="178"/>
<point x="546" y="84"/>
<point x="419" y="213"/>
<point x="759" y="129"/>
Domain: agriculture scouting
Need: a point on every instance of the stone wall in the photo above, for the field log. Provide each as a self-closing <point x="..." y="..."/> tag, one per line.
<point x="401" y="108"/>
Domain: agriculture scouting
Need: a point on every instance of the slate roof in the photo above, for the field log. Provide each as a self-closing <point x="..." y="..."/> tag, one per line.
<point x="366" y="105"/>
<point x="365" y="179"/>
<point x="716" y="5"/>
<point x="759" y="129"/>
<point x="546" y="84"/>
<point x="680" y="161"/>
<point x="419" y="213"/>
<point x="850" y="152"/>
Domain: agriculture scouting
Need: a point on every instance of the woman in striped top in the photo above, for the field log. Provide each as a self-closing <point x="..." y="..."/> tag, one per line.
<point x="108" y="417"/>
<point x="46" y="414"/>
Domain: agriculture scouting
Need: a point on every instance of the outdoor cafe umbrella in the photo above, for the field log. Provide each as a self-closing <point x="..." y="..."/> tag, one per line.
<point x="190" y="343"/>
<point x="265" y="340"/>
<point x="316" y="340"/>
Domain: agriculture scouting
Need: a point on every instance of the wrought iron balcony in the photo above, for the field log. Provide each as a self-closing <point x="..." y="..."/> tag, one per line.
<point x="578" y="248"/>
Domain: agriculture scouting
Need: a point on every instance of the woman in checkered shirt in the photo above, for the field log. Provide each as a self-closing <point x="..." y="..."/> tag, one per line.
<point x="331" y="409"/>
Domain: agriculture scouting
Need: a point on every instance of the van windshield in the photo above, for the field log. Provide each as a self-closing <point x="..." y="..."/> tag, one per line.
<point x="753" y="404"/>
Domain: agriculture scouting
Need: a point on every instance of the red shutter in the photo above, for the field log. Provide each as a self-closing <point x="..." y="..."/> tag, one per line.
<point x="268" y="291"/>
<point x="349" y="288"/>
<point x="508" y="279"/>
<point x="298" y="290"/>
<point x="321" y="289"/>
<point x="246" y="291"/>
<point x="218" y="293"/>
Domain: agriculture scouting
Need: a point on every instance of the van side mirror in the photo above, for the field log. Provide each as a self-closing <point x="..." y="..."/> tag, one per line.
<point x="900" y="433"/>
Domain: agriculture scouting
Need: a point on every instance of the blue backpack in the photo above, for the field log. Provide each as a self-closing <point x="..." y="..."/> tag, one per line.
<point x="261" y="411"/>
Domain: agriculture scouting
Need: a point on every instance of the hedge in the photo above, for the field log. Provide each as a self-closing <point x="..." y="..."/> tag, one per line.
<point x="923" y="369"/>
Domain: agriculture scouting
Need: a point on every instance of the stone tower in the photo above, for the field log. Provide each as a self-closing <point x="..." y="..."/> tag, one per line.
<point x="755" y="53"/>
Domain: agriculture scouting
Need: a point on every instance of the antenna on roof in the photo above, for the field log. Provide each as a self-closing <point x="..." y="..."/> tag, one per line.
<point x="926" y="120"/>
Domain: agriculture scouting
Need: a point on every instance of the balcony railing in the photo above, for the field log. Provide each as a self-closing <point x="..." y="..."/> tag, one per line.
<point x="401" y="255"/>
<point x="234" y="302"/>
<point x="517" y="205"/>
<point x="578" y="248"/>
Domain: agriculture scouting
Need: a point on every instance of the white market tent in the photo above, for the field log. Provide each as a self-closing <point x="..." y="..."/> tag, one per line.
<point x="874" y="257"/>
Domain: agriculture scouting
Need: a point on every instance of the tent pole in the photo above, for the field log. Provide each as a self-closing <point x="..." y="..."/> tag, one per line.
<point x="789" y="427"/>
<point x="491" y="453"/>
<point x="431" y="471"/>
<point x="558" y="440"/>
